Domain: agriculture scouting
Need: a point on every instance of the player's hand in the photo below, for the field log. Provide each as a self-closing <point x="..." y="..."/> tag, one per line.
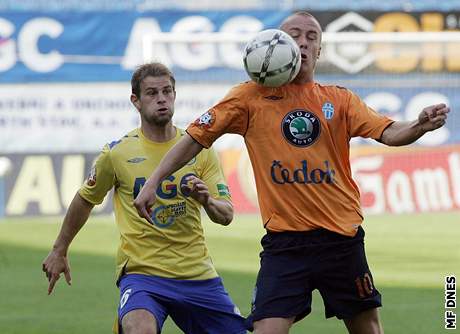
<point x="198" y="189"/>
<point x="433" y="117"/>
<point x="145" y="200"/>
<point x="53" y="266"/>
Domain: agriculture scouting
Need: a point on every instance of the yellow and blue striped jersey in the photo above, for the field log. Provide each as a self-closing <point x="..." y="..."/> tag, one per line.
<point x="174" y="245"/>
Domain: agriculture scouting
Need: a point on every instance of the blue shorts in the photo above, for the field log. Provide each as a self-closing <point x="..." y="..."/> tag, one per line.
<point x="293" y="264"/>
<point x="196" y="306"/>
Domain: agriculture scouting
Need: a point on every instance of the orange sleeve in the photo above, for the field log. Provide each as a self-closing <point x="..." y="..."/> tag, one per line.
<point x="230" y="115"/>
<point x="363" y="121"/>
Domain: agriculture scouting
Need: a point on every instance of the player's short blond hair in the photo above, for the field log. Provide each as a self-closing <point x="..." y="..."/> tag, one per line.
<point x="154" y="69"/>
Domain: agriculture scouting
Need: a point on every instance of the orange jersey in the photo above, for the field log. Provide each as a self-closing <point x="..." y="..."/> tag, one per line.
<point x="297" y="138"/>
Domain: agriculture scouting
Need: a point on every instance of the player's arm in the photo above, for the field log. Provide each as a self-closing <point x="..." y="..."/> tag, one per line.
<point x="92" y="192"/>
<point x="233" y="118"/>
<point x="56" y="262"/>
<point x="220" y="211"/>
<point x="181" y="153"/>
<point x="402" y="133"/>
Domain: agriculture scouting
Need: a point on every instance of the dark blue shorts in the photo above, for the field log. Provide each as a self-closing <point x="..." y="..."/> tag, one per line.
<point x="196" y="306"/>
<point x="293" y="264"/>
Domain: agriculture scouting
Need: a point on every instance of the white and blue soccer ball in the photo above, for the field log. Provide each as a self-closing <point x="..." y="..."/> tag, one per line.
<point x="272" y="58"/>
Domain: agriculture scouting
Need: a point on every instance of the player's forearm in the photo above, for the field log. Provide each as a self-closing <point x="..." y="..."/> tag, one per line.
<point x="75" y="218"/>
<point x="402" y="133"/>
<point x="219" y="211"/>
<point x="176" y="158"/>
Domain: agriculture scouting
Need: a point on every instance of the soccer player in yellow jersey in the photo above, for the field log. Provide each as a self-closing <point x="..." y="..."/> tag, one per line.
<point x="163" y="266"/>
<point x="297" y="138"/>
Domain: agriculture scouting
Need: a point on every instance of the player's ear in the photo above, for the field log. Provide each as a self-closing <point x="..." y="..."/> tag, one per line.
<point x="135" y="102"/>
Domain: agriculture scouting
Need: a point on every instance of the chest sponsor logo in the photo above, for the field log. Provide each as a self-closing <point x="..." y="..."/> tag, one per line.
<point x="164" y="216"/>
<point x="301" y="128"/>
<point x="304" y="174"/>
<point x="168" y="187"/>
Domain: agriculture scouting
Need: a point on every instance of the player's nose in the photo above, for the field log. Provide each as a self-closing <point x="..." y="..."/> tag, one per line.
<point x="161" y="98"/>
<point x="302" y="42"/>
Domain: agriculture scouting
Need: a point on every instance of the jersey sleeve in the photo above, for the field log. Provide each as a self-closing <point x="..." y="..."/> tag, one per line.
<point x="213" y="176"/>
<point x="230" y="115"/>
<point x="363" y="121"/>
<point x="101" y="178"/>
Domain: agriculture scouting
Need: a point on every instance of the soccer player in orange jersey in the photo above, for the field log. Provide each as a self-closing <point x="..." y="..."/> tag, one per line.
<point x="298" y="139"/>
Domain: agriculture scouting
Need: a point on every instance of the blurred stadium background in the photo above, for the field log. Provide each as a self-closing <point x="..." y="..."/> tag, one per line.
<point x="65" y="69"/>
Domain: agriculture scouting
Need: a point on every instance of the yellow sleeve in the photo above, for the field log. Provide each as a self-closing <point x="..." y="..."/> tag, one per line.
<point x="213" y="176"/>
<point x="363" y="121"/>
<point x="100" y="180"/>
<point x="230" y="115"/>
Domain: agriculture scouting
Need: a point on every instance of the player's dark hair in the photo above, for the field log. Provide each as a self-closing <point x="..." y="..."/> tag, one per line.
<point x="149" y="70"/>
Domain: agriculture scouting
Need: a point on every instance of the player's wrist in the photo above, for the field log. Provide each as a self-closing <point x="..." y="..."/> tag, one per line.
<point x="423" y="128"/>
<point x="60" y="250"/>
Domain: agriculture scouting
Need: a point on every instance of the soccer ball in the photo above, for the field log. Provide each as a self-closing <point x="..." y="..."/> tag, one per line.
<point x="272" y="58"/>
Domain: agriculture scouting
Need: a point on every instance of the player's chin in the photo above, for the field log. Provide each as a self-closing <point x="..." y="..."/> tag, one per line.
<point x="161" y="120"/>
<point x="304" y="66"/>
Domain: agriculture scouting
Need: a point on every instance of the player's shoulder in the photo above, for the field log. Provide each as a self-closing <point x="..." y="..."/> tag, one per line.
<point x="246" y="89"/>
<point x="122" y="143"/>
<point x="335" y="92"/>
<point x="332" y="88"/>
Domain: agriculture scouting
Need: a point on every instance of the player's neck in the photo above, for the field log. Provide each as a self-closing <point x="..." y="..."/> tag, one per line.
<point x="303" y="78"/>
<point x="158" y="134"/>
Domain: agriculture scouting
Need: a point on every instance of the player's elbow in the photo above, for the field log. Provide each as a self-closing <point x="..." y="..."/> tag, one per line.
<point x="220" y="211"/>
<point x="227" y="215"/>
<point x="225" y="218"/>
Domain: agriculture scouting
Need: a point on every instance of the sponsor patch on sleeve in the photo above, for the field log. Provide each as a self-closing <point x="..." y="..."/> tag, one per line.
<point x="206" y="120"/>
<point x="223" y="189"/>
<point x="91" y="181"/>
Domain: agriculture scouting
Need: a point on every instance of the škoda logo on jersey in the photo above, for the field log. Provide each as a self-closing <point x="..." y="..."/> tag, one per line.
<point x="301" y="127"/>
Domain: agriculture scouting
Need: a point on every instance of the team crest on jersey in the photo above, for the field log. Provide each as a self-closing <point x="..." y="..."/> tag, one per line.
<point x="206" y="120"/>
<point x="91" y="181"/>
<point x="301" y="127"/>
<point x="328" y="110"/>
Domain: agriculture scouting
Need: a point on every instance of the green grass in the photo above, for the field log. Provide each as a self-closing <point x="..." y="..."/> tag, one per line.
<point x="409" y="257"/>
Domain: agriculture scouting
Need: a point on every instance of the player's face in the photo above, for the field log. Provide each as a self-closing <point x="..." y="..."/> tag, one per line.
<point x="306" y="31"/>
<point x="156" y="102"/>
